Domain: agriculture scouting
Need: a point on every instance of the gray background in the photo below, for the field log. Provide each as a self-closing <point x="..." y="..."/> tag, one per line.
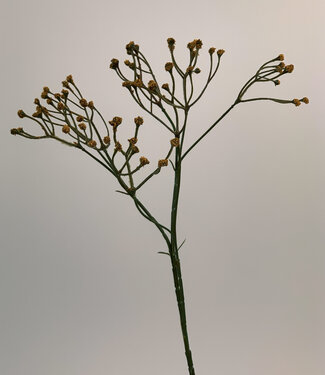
<point x="83" y="290"/>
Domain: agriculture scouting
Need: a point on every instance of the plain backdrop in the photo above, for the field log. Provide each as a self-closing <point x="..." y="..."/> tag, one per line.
<point x="82" y="288"/>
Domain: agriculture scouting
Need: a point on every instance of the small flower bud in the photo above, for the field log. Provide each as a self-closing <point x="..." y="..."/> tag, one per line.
<point x="296" y="102"/>
<point x="65" y="84"/>
<point x="220" y="52"/>
<point x="15" y="131"/>
<point x="44" y="95"/>
<point x="79" y="118"/>
<point x="280" y="57"/>
<point x="114" y="64"/>
<point x="118" y="146"/>
<point x="21" y="113"/>
<point x="133" y="140"/>
<point x="171" y="43"/>
<point x="135" y="149"/>
<point x="60" y="106"/>
<point x="138" y="121"/>
<point x="169" y="66"/>
<point x="211" y="50"/>
<point x="191" y="45"/>
<point x="165" y="86"/>
<point x="162" y="163"/>
<point x="127" y="83"/>
<point x="127" y="62"/>
<point x="288" y="68"/>
<point x="65" y="129"/>
<point x="189" y="69"/>
<point x="137" y="83"/>
<point x="57" y="96"/>
<point x="197" y="70"/>
<point x="152" y="85"/>
<point x="36" y="101"/>
<point x="69" y="79"/>
<point x="282" y="64"/>
<point x="83" y="102"/>
<point x="305" y="100"/>
<point x="106" y="140"/>
<point x="46" y="89"/>
<point x="91" y="105"/>
<point x="276" y="82"/>
<point x="38" y="112"/>
<point x="82" y="126"/>
<point x="198" y="43"/>
<point x="174" y="142"/>
<point x="144" y="161"/>
<point x="49" y="101"/>
<point x="65" y="92"/>
<point x="92" y="143"/>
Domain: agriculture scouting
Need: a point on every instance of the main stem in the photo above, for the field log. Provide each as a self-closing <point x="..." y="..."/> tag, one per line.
<point x="175" y="261"/>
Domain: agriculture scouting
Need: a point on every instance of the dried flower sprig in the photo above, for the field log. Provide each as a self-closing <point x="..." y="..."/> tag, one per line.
<point x="72" y="120"/>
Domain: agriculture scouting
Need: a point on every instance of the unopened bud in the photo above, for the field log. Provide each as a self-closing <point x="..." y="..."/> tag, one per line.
<point x="65" y="129"/>
<point x="162" y="163"/>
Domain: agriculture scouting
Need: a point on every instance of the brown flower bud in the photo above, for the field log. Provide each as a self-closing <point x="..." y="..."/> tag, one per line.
<point x="171" y="43"/>
<point x="107" y="140"/>
<point x="38" y="112"/>
<point x="169" y="66"/>
<point x="114" y="64"/>
<point x="220" y="52"/>
<point x="165" y="86"/>
<point x="60" y="106"/>
<point x="133" y="140"/>
<point x="189" y="69"/>
<point x="69" y="79"/>
<point x="92" y="143"/>
<point x="162" y="163"/>
<point x="49" y="101"/>
<point x="79" y="118"/>
<point x="144" y="161"/>
<point x="134" y="149"/>
<point x="91" y="105"/>
<point x="127" y="83"/>
<point x="191" y="45"/>
<point x="137" y="83"/>
<point x="212" y="50"/>
<point x="21" y="113"/>
<point x="296" y="102"/>
<point x="198" y="43"/>
<point x="276" y="82"/>
<point x="174" y="142"/>
<point x="15" y="131"/>
<point x="65" y="92"/>
<point x="280" y="57"/>
<point x="83" y="102"/>
<point x="65" y="129"/>
<point x="36" y="101"/>
<point x="118" y="146"/>
<point x="46" y="89"/>
<point x="138" y="121"/>
<point x="127" y="62"/>
<point x="57" y="96"/>
<point x="44" y="95"/>
<point x="305" y="100"/>
<point x="289" y="68"/>
<point x="152" y="85"/>
<point x="65" y="84"/>
<point x="82" y="126"/>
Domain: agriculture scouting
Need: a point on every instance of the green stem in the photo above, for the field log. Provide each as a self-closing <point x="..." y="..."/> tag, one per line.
<point x="175" y="261"/>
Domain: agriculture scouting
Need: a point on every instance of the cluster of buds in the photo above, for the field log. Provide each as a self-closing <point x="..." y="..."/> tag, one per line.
<point x="67" y="114"/>
<point x="270" y="72"/>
